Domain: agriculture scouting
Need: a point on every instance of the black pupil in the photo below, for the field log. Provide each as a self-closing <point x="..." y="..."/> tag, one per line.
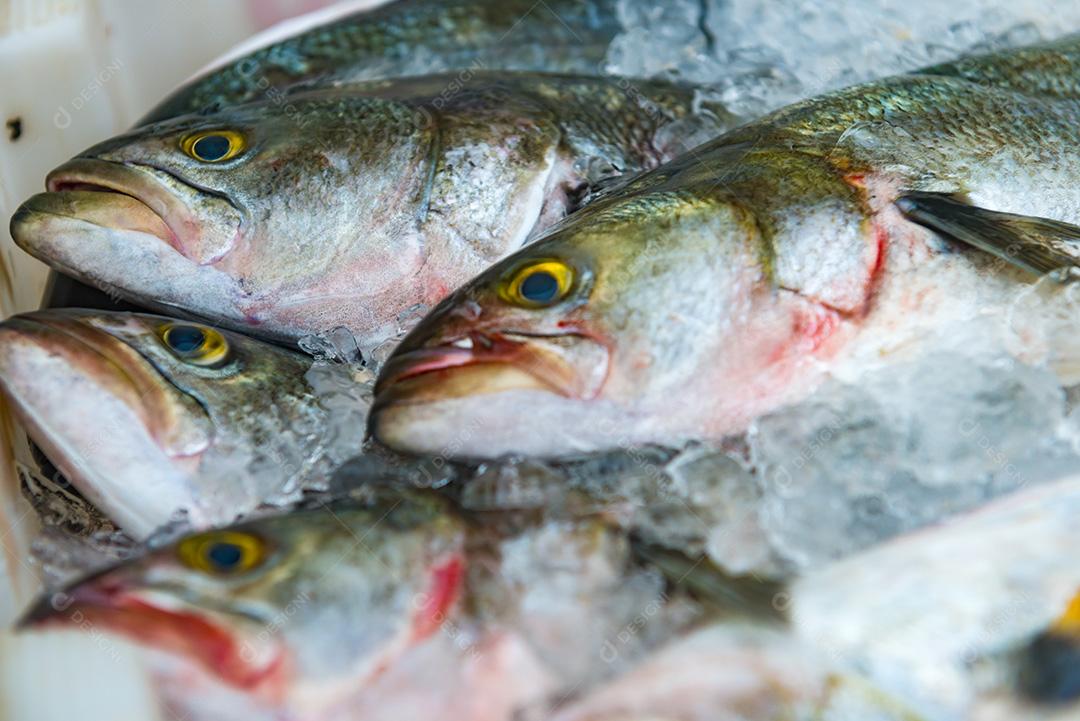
<point x="225" y="555"/>
<point x="186" y="338"/>
<point x="540" y="287"/>
<point x="211" y="147"/>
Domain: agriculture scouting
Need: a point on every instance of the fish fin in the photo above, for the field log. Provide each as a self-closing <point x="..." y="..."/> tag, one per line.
<point x="749" y="595"/>
<point x="1038" y="245"/>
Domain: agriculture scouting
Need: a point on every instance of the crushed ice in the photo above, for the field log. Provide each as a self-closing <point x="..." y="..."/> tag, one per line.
<point x="861" y="460"/>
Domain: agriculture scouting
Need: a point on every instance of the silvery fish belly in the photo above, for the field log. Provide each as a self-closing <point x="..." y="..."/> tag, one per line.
<point x="402" y="38"/>
<point x="150" y="417"/>
<point x="731" y="281"/>
<point x="351" y="206"/>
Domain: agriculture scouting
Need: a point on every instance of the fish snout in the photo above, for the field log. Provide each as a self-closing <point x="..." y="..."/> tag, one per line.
<point x="482" y="365"/>
<point x="111" y="601"/>
<point x="200" y="225"/>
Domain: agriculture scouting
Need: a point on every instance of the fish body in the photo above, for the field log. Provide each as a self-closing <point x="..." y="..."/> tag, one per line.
<point x="946" y="617"/>
<point x="730" y="281"/>
<point x="408" y="37"/>
<point x="146" y="423"/>
<point x="349" y="206"/>
<point x="394" y="603"/>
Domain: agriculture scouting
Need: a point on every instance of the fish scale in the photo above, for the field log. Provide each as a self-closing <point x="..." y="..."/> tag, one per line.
<point x="816" y="213"/>
<point x="459" y="34"/>
<point x="347" y="206"/>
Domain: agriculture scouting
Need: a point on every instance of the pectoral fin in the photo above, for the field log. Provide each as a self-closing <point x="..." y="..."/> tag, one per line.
<point x="1038" y="245"/>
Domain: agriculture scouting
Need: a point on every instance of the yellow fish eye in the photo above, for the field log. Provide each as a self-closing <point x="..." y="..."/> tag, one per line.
<point x="213" y="146"/>
<point x="538" y="284"/>
<point x="195" y="344"/>
<point x="222" y="553"/>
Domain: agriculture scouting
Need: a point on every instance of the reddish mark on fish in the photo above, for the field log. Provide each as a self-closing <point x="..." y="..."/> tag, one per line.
<point x="435" y="291"/>
<point x="857" y="180"/>
<point x="188" y="634"/>
<point x="811" y="327"/>
<point x="436" y="602"/>
<point x="817" y="327"/>
<point x="877" y="265"/>
<point x="881" y="236"/>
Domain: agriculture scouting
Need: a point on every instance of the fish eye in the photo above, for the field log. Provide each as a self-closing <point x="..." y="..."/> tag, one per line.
<point x="213" y="146"/>
<point x="195" y="344"/>
<point x="539" y="284"/>
<point x="222" y="553"/>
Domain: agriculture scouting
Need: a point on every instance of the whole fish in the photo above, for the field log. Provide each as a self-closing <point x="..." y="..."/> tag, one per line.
<point x="350" y="206"/>
<point x="398" y="604"/>
<point x="148" y="416"/>
<point x="406" y="37"/>
<point x="729" y="282"/>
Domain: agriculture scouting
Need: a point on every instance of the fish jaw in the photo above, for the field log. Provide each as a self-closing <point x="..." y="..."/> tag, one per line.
<point x="425" y="394"/>
<point x="134" y="263"/>
<point x="137" y="233"/>
<point x="135" y="460"/>
<point x="256" y="663"/>
<point x="198" y="225"/>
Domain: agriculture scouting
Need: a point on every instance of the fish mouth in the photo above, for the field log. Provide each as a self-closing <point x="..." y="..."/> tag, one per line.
<point x="124" y="197"/>
<point x="569" y="364"/>
<point x="61" y="373"/>
<point x="162" y="621"/>
<point x="449" y="384"/>
<point x="111" y="195"/>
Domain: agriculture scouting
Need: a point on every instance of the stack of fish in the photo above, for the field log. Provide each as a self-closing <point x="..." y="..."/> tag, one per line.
<point x="548" y="326"/>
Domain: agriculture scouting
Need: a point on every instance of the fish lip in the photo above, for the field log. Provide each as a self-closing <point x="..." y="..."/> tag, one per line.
<point x="102" y="176"/>
<point x="183" y="229"/>
<point x="519" y="349"/>
<point x="115" y="605"/>
<point x="48" y="329"/>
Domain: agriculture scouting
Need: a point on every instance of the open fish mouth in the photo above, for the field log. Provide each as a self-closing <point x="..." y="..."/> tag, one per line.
<point x="569" y="365"/>
<point x="162" y="621"/>
<point x="440" y="395"/>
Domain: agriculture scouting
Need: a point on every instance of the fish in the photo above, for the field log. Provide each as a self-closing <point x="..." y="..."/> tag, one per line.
<point x="950" y="617"/>
<point x="395" y="39"/>
<point x="149" y="417"/>
<point x="394" y="602"/>
<point x="294" y="602"/>
<point x="729" y="282"/>
<point x="346" y="207"/>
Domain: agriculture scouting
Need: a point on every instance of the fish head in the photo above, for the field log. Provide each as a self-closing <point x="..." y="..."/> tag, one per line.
<point x="265" y="217"/>
<point x="301" y="603"/>
<point x="146" y="415"/>
<point x="632" y="322"/>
